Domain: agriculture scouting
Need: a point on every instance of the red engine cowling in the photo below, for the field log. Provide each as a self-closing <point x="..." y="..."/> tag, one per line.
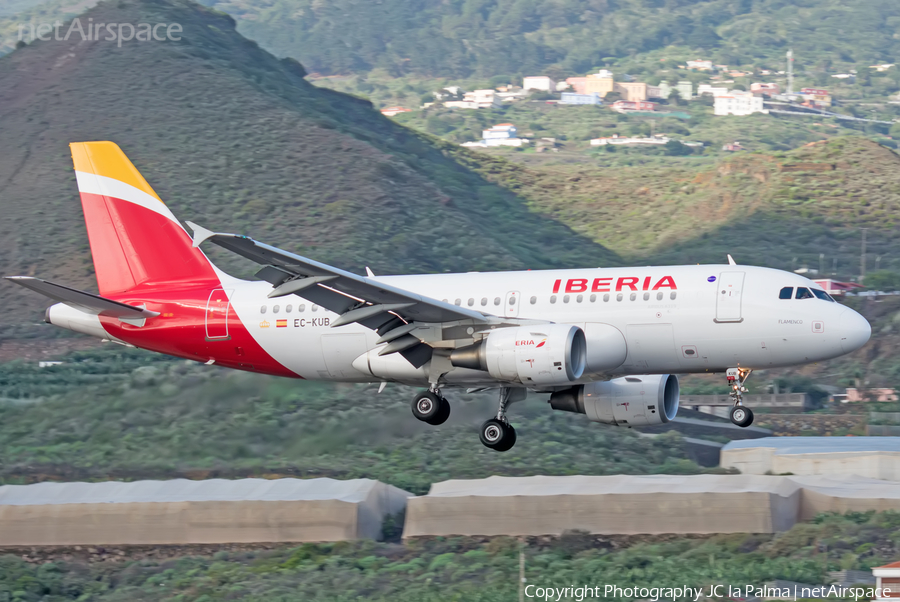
<point x="629" y="401"/>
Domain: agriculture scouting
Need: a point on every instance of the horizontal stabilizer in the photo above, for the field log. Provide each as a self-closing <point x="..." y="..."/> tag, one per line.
<point x="86" y="302"/>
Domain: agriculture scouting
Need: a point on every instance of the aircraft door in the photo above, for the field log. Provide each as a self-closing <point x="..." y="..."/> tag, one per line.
<point x="217" y="309"/>
<point x="511" y="307"/>
<point x="728" y="297"/>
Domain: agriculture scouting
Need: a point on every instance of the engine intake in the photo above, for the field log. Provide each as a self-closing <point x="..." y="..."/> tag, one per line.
<point x="628" y="401"/>
<point x="549" y="354"/>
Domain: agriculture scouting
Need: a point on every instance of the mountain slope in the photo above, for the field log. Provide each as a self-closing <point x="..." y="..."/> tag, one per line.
<point x="237" y="140"/>
<point x="491" y="37"/>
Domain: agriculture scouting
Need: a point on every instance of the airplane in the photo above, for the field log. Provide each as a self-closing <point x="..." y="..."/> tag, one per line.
<point x="604" y="342"/>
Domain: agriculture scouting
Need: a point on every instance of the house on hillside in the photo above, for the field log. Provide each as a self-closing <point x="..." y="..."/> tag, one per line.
<point x="502" y="134"/>
<point x="700" y="65"/>
<point x="624" y="106"/>
<point x="539" y="82"/>
<point x="833" y="287"/>
<point x="634" y="91"/>
<point x="765" y="88"/>
<point x="600" y="83"/>
<point x="738" y="102"/>
<point x="391" y="111"/>
<point x="887" y="582"/>
<point x="816" y="97"/>
<point x="577" y="84"/>
<point x="571" y="98"/>
<point x="733" y="147"/>
<point x="478" y="99"/>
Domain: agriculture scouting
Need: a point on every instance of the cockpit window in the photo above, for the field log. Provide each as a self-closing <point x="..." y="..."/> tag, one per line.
<point x="786" y="293"/>
<point x="803" y="293"/>
<point x="822" y="295"/>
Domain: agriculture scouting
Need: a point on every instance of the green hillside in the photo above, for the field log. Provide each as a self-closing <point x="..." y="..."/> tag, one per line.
<point x="237" y="140"/>
<point x="491" y="37"/>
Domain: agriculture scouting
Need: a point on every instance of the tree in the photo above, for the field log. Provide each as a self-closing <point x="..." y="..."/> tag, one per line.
<point x="882" y="280"/>
<point x="675" y="148"/>
<point x="612" y="96"/>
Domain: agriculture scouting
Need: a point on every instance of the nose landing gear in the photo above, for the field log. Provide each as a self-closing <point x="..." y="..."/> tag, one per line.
<point x="740" y="415"/>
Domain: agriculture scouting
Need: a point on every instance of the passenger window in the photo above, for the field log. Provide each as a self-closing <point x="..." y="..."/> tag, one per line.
<point x="512" y="300"/>
<point x="565" y="298"/>
<point x="672" y="295"/>
<point x="496" y="300"/>
<point x="646" y="296"/>
<point x="822" y="295"/>
<point x="633" y="296"/>
<point x="659" y="296"/>
<point x="803" y="293"/>
<point x="579" y="298"/>
<point x="619" y="297"/>
<point x="314" y="307"/>
<point x="471" y="302"/>
<point x="275" y="309"/>
<point x="606" y="298"/>
<point x="786" y="293"/>
<point x="262" y="309"/>
<point x="457" y="302"/>
<point x="288" y="308"/>
<point x="533" y="300"/>
<point x="484" y="300"/>
<point x="552" y="298"/>
<point x="302" y="307"/>
<point x="593" y="298"/>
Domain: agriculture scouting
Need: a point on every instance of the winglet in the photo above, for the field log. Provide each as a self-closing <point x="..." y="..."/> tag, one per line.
<point x="369" y="272"/>
<point x="731" y="260"/>
<point x="200" y="234"/>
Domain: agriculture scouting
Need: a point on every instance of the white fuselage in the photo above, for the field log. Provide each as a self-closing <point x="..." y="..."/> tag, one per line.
<point x="675" y="319"/>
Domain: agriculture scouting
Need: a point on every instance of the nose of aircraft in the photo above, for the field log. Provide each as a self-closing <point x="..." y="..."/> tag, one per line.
<point x="854" y="329"/>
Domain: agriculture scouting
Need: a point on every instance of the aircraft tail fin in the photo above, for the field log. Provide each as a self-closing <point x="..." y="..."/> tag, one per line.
<point x="135" y="239"/>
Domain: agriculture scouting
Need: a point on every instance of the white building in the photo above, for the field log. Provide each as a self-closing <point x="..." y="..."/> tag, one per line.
<point x="539" y="82"/>
<point x="478" y="99"/>
<point x="738" y="102"/>
<point x="701" y="65"/>
<point x="502" y="134"/>
<point x="711" y="90"/>
<point x="887" y="582"/>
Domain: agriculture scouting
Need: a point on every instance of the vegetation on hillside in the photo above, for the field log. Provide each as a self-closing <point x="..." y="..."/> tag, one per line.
<point x="465" y="568"/>
<point x="492" y="37"/>
<point x="128" y="414"/>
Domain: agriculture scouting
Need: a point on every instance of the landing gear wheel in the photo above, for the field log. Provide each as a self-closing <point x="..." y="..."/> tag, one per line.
<point x="443" y="413"/>
<point x="497" y="435"/>
<point x="741" y="416"/>
<point x="426" y="406"/>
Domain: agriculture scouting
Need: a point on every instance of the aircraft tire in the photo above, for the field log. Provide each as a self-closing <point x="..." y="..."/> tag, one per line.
<point x="426" y="406"/>
<point x="509" y="441"/>
<point x="741" y="416"/>
<point x="497" y="435"/>
<point x="442" y="415"/>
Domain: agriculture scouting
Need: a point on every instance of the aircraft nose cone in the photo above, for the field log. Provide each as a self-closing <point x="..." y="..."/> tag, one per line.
<point x="855" y="331"/>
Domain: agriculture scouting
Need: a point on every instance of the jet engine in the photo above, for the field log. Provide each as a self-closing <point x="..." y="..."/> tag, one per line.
<point x="548" y="354"/>
<point x="629" y="401"/>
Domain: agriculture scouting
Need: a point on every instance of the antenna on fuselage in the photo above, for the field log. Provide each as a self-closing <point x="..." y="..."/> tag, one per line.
<point x="731" y="260"/>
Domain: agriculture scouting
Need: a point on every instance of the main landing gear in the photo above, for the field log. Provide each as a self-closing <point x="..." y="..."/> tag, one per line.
<point x="431" y="407"/>
<point x="740" y="415"/>
<point x="497" y="433"/>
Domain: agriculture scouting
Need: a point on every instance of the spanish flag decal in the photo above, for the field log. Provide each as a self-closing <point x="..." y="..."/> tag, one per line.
<point x="280" y="323"/>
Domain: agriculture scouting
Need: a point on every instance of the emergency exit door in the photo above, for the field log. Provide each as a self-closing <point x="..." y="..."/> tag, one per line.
<point x="728" y="297"/>
<point x="217" y="309"/>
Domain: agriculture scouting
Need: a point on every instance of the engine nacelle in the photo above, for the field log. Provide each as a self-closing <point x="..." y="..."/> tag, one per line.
<point x="544" y="355"/>
<point x="629" y="401"/>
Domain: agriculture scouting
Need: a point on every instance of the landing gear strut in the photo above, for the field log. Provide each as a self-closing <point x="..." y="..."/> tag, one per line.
<point x="497" y="433"/>
<point x="740" y="415"/>
<point x="431" y="407"/>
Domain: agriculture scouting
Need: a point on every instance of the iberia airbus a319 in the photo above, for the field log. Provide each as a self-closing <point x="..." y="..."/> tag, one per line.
<point x="605" y="342"/>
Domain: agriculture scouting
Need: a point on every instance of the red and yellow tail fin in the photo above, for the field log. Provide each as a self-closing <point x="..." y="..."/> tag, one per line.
<point x="135" y="239"/>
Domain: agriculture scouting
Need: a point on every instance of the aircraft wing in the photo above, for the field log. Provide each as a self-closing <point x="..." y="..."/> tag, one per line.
<point x="86" y="302"/>
<point x="355" y="298"/>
